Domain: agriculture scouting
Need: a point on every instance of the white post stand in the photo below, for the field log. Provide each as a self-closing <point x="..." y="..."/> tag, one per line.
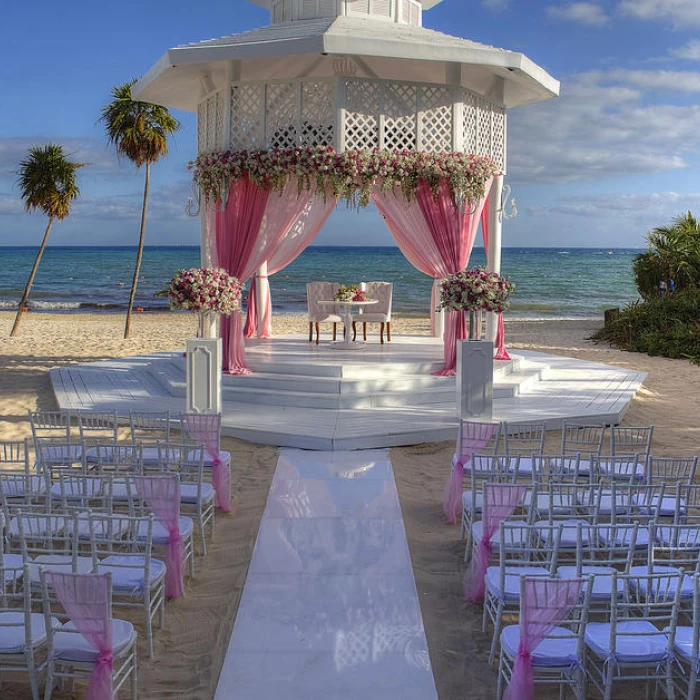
<point x="495" y="241"/>
<point x="474" y="379"/>
<point x="439" y="331"/>
<point x="262" y="288"/>
<point x="203" y="394"/>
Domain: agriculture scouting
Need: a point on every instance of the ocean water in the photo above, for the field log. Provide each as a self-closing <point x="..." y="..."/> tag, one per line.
<point x="551" y="283"/>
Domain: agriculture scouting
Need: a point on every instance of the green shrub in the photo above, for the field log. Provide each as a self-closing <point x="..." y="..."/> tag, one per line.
<point x="667" y="326"/>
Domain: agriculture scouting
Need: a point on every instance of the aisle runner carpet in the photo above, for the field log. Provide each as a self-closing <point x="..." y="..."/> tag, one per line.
<point x="329" y="609"/>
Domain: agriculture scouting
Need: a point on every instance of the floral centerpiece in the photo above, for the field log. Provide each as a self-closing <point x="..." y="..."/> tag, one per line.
<point x="475" y="290"/>
<point x="205" y="291"/>
<point x="350" y="292"/>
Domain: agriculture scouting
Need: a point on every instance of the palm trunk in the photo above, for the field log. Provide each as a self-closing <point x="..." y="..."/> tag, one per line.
<point x="30" y="281"/>
<point x="139" y="254"/>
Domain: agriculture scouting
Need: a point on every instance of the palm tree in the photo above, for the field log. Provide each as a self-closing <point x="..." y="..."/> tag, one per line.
<point x="673" y="254"/>
<point x="47" y="181"/>
<point x="139" y="131"/>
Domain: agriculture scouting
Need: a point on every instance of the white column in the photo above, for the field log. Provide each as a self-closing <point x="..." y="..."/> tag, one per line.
<point x="495" y="241"/>
<point x="439" y="315"/>
<point x="262" y="291"/>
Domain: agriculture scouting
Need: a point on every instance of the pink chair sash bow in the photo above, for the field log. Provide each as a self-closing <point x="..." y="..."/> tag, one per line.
<point x="86" y="599"/>
<point x="500" y="501"/>
<point x="206" y="429"/>
<point x="162" y="495"/>
<point x="545" y="604"/>
<point x="472" y="438"/>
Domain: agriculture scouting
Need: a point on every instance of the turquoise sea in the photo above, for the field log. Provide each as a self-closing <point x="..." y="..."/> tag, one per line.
<point x="551" y="283"/>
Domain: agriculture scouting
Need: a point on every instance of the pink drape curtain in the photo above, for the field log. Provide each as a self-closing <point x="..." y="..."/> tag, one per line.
<point x="86" y="600"/>
<point x="437" y="237"/>
<point x="162" y="495"/>
<point x="472" y="438"/>
<point x="500" y="500"/>
<point x="545" y="604"/>
<point x="205" y="428"/>
<point x="500" y="352"/>
<point x="300" y="217"/>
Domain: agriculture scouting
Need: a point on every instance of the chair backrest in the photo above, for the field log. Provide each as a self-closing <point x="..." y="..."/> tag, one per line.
<point x="627" y="439"/>
<point x="565" y="468"/>
<point x="48" y="536"/>
<point x="320" y="291"/>
<point x="51" y="452"/>
<point x="14" y="454"/>
<point x="383" y="292"/>
<point x="472" y="438"/>
<point x="523" y="438"/>
<point x="596" y="545"/>
<point x="585" y="439"/>
<point x="674" y="545"/>
<point x="671" y="469"/>
<point x="79" y="490"/>
<point x="149" y="426"/>
<point x="203" y="429"/>
<point x="118" y="456"/>
<point x="98" y="425"/>
<point x="50" y="424"/>
<point x="623" y="467"/>
<point x="15" y="598"/>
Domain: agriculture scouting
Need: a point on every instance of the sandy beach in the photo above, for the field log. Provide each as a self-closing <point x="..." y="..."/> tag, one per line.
<point x="189" y="651"/>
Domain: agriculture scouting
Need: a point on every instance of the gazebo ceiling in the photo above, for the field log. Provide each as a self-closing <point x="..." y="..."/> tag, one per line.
<point x="311" y="49"/>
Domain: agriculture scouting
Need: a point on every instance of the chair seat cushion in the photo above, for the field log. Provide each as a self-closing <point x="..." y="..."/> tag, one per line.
<point x="62" y="563"/>
<point x="56" y="456"/>
<point x="559" y="649"/>
<point x="110" y="527"/>
<point x="624" y="470"/>
<point x="188" y="493"/>
<point x="667" y="508"/>
<point x="473" y="504"/>
<point x="525" y="466"/>
<point x="12" y="634"/>
<point x="639" y="642"/>
<point x="372" y="317"/>
<point x="150" y="455"/>
<point x="683" y="537"/>
<point x="686" y="583"/>
<point x="160" y="533"/>
<point x="683" y="646"/>
<point x="602" y="583"/>
<point x="604" y="501"/>
<point x="516" y="536"/>
<point x="569" y="532"/>
<point x="558" y="503"/>
<point x="69" y="646"/>
<point x="123" y="489"/>
<point x="75" y="488"/>
<point x="128" y="574"/>
<point x="38" y="526"/>
<point x="621" y="536"/>
<point x="511" y="588"/>
<point x="325" y="318"/>
<point x="224" y="456"/>
<point x="13" y="564"/>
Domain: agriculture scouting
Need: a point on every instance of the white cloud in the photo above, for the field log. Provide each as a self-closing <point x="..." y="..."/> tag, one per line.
<point x="595" y="131"/>
<point x="672" y="81"/>
<point x="690" y="51"/>
<point x="681" y="13"/>
<point x="10" y="205"/>
<point x="583" y="12"/>
<point x="495" y="5"/>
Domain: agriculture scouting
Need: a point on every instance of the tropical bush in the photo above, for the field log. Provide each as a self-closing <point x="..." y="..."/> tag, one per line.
<point x="668" y="326"/>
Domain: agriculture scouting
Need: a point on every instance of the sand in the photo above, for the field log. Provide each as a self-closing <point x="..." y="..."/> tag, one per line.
<point x="191" y="647"/>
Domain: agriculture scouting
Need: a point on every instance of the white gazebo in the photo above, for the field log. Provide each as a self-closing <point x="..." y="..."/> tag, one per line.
<point x="354" y="75"/>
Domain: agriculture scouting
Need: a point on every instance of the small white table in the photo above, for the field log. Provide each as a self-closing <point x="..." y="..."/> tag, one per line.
<point x="346" y="309"/>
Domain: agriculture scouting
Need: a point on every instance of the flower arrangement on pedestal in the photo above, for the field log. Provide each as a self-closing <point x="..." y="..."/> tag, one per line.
<point x="205" y="291"/>
<point x="475" y="291"/>
<point x="350" y="292"/>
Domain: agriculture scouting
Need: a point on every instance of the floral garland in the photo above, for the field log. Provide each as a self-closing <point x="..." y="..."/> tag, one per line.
<point x="205" y="290"/>
<point x="349" y="175"/>
<point x="350" y="292"/>
<point x="469" y="290"/>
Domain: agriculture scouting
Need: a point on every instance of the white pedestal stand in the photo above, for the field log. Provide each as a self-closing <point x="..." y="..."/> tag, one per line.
<point x="475" y="379"/>
<point x="203" y="394"/>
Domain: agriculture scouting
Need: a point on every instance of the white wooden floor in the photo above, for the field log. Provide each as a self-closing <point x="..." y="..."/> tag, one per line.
<point x="307" y="396"/>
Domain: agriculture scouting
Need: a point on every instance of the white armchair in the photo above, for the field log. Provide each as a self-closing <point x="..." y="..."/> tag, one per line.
<point x="379" y="312"/>
<point x="321" y="313"/>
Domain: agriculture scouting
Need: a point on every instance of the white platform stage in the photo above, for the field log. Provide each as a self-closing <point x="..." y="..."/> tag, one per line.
<point x="317" y="397"/>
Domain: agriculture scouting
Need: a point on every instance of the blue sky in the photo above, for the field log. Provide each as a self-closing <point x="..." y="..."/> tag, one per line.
<point x="617" y="154"/>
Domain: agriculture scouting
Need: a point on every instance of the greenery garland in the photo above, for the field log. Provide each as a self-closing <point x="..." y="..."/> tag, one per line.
<point x="350" y="175"/>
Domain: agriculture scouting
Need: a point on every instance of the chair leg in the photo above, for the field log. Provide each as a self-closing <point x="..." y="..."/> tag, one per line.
<point x="354" y="331"/>
<point x="388" y="331"/>
<point x="364" y="332"/>
<point x="134" y="676"/>
<point x="381" y="332"/>
<point x="318" y="333"/>
<point x="311" y="331"/>
<point x="335" y="331"/>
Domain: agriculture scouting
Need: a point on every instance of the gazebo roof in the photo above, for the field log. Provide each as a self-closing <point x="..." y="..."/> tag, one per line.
<point x="382" y="49"/>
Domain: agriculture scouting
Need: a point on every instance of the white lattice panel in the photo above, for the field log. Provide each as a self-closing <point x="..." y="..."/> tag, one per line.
<point x="435" y="119"/>
<point x="282" y="115"/>
<point x="247" y="129"/>
<point x="318" y="113"/>
<point x="483" y="132"/>
<point x="362" y="107"/>
<point x="400" y="117"/>
<point x="382" y="8"/>
<point x="469" y="140"/>
<point x="211" y="138"/>
<point x="219" y="121"/>
<point x="357" y="7"/>
<point x="499" y="136"/>
<point x="202" y="128"/>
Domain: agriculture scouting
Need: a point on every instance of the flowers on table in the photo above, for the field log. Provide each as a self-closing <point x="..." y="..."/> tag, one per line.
<point x="350" y="292"/>
<point x="205" y="290"/>
<point x="349" y="175"/>
<point x="475" y="290"/>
